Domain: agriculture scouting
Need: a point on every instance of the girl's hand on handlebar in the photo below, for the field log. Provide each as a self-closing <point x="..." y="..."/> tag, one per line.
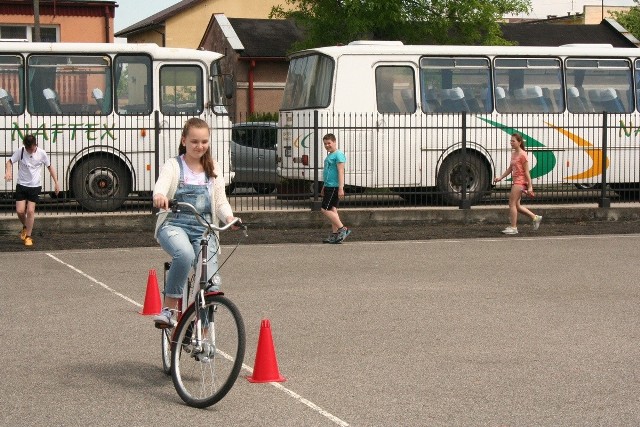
<point x="160" y="201"/>
<point x="237" y="226"/>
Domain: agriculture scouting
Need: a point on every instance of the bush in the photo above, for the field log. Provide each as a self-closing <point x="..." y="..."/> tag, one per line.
<point x="263" y="117"/>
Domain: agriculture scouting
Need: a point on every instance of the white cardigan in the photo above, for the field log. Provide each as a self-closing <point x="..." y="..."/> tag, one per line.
<point x="167" y="184"/>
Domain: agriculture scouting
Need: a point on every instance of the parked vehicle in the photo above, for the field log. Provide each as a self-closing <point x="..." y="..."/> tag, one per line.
<point x="97" y="108"/>
<point x="418" y="119"/>
<point x="253" y="156"/>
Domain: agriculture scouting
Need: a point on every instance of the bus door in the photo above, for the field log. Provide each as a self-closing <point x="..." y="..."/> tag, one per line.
<point x="397" y="150"/>
<point x="133" y="105"/>
<point x="182" y="91"/>
<point x="354" y="119"/>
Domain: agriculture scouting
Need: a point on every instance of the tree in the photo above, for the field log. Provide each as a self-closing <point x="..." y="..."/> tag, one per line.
<point x="330" y="22"/>
<point x="630" y="20"/>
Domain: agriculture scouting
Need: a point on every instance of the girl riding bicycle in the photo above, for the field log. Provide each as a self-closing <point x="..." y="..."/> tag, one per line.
<point x="192" y="177"/>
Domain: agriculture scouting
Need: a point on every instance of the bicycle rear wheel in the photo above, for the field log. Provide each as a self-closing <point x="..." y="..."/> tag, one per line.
<point x="204" y="375"/>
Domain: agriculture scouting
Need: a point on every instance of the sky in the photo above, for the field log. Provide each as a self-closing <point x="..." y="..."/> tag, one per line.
<point x="542" y="8"/>
<point x="129" y="12"/>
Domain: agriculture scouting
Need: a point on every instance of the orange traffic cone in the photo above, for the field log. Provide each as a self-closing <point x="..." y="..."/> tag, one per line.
<point x="152" y="301"/>
<point x="265" y="368"/>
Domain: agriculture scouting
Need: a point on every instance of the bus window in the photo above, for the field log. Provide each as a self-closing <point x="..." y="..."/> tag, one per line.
<point x="181" y="88"/>
<point x="637" y="74"/>
<point x="602" y="84"/>
<point x="11" y="78"/>
<point x="531" y="85"/>
<point x="395" y="89"/>
<point x="454" y="85"/>
<point x="308" y="83"/>
<point x="65" y="84"/>
<point x="132" y="75"/>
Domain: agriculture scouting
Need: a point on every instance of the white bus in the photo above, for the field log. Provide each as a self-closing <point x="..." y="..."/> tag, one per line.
<point x="396" y="111"/>
<point x="109" y="115"/>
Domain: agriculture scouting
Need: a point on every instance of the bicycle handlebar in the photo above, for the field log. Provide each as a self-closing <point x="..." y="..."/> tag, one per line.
<point x="175" y="206"/>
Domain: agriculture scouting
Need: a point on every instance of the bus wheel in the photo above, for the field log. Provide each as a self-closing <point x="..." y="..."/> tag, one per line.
<point x="100" y="183"/>
<point x="264" y="188"/>
<point x="452" y="175"/>
<point x="587" y="186"/>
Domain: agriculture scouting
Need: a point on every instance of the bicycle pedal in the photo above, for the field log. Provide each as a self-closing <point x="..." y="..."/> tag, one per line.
<point x="162" y="326"/>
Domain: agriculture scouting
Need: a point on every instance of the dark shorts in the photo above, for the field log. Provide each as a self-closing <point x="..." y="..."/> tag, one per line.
<point x="31" y="194"/>
<point x="330" y="199"/>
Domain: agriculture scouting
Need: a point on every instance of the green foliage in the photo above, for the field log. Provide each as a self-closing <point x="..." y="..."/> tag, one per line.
<point x="331" y="22"/>
<point x="263" y="117"/>
<point x="630" y="20"/>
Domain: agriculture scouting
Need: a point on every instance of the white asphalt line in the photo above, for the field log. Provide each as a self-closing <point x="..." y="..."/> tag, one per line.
<point x="82" y="273"/>
<point x="279" y="386"/>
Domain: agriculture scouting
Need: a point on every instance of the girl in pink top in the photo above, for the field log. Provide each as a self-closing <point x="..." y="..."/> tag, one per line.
<point x="519" y="171"/>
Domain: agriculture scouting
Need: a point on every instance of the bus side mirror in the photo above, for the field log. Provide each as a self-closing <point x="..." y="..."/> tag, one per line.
<point x="229" y="86"/>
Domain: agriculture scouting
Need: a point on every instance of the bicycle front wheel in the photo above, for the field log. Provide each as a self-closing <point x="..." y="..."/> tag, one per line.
<point x="166" y="350"/>
<point x="204" y="371"/>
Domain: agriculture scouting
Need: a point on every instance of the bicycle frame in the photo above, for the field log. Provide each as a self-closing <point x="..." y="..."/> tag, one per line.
<point x="202" y="373"/>
<point x="200" y="269"/>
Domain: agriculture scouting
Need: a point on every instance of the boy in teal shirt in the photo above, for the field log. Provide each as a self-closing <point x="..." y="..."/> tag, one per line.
<point x="333" y="189"/>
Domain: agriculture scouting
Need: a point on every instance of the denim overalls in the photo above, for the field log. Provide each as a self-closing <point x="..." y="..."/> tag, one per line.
<point x="181" y="233"/>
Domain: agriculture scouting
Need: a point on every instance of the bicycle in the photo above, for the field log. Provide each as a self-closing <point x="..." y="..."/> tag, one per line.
<point x="204" y="352"/>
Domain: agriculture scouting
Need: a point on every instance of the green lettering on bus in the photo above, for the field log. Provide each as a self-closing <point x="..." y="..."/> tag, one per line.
<point x="628" y="131"/>
<point x="92" y="131"/>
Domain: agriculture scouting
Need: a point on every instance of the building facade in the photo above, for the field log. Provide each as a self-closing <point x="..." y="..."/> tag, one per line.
<point x="60" y="20"/>
<point x="182" y="24"/>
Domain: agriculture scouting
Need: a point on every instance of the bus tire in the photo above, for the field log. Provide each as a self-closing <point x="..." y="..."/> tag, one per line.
<point x="450" y="178"/>
<point x="264" y="188"/>
<point x="100" y="183"/>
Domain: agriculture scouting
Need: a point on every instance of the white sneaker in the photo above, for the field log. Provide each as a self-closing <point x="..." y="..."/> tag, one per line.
<point x="510" y="230"/>
<point x="536" y="222"/>
<point x="164" y="319"/>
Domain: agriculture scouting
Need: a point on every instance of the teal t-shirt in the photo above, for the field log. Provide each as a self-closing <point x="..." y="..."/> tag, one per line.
<point x="330" y="174"/>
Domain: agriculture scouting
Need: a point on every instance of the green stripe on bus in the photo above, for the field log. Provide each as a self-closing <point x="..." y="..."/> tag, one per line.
<point x="545" y="160"/>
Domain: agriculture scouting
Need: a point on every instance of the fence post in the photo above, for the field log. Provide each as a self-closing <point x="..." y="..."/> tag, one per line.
<point x="156" y="144"/>
<point x="465" y="203"/>
<point x="604" y="201"/>
<point x="315" y="202"/>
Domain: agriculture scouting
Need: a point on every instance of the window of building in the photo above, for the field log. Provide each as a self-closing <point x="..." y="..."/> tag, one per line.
<point x="26" y="32"/>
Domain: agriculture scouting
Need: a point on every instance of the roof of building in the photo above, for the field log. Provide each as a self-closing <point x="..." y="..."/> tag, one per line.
<point x="540" y="33"/>
<point x="265" y="38"/>
<point x="156" y="20"/>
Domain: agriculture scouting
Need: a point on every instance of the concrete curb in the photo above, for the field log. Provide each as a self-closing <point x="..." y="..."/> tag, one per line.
<point x="145" y="222"/>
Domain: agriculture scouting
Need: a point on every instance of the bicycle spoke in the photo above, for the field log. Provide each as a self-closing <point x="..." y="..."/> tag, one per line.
<point x="204" y="372"/>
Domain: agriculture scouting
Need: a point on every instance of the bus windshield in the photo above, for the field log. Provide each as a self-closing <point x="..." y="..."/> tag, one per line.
<point x="308" y="82"/>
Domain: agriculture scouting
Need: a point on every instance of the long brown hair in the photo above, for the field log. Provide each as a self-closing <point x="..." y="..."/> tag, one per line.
<point x="519" y="138"/>
<point x="206" y="161"/>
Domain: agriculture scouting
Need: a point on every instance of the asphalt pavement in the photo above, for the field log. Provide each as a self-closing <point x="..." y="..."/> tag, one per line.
<point x="519" y="331"/>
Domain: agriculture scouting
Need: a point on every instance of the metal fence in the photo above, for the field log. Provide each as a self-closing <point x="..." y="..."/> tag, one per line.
<point x="392" y="160"/>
